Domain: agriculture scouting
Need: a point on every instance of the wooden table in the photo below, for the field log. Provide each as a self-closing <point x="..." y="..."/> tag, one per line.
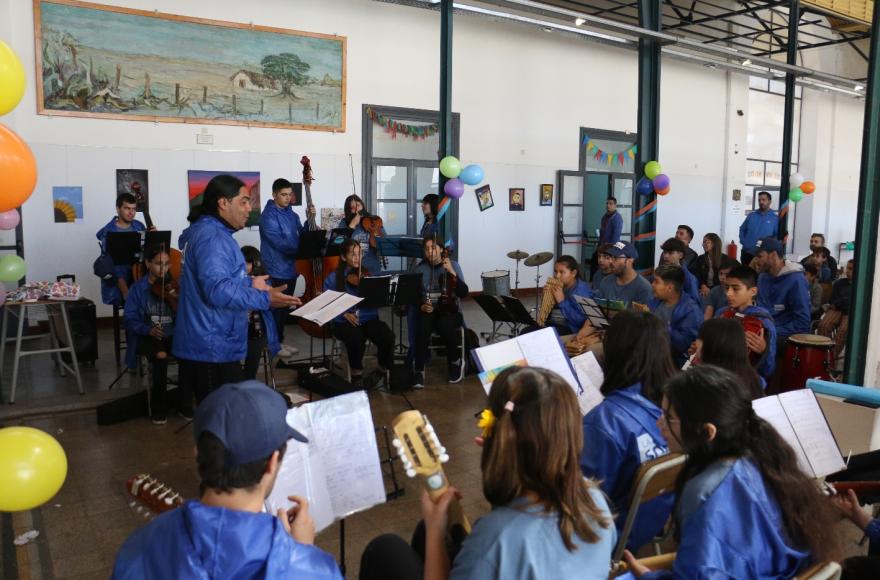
<point x="56" y="348"/>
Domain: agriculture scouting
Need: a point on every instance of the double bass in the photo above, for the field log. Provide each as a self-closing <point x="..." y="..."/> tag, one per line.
<point x="313" y="270"/>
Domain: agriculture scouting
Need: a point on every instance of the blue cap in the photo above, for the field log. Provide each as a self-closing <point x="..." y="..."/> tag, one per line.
<point x="249" y="418"/>
<point x="769" y="244"/>
<point x="622" y="249"/>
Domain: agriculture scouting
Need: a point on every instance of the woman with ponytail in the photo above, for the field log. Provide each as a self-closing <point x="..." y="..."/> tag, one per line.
<point x="547" y="520"/>
<point x="744" y="508"/>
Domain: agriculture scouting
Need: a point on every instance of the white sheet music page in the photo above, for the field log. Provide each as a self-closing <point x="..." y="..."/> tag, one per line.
<point x="327" y="306"/>
<point x="590" y="374"/>
<point x="543" y="349"/>
<point x="812" y="429"/>
<point x="499" y="354"/>
<point x="770" y="409"/>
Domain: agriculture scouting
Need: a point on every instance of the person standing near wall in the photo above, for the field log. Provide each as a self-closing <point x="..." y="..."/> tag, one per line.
<point x="757" y="225"/>
<point x="609" y="230"/>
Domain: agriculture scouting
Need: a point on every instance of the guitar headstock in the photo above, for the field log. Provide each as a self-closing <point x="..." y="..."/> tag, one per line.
<point x="154" y="494"/>
<point x="420" y="450"/>
<point x="307" y="170"/>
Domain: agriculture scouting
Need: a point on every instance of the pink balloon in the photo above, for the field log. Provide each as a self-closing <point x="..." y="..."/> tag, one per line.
<point x="9" y="220"/>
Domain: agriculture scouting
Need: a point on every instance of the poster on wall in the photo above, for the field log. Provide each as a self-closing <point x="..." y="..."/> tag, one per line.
<point x="111" y="62"/>
<point x="67" y="202"/>
<point x="135" y="182"/>
<point x="546" y="194"/>
<point x="484" y="197"/>
<point x="198" y="180"/>
<point x="517" y="199"/>
<point x="330" y="217"/>
<point x="297" y="194"/>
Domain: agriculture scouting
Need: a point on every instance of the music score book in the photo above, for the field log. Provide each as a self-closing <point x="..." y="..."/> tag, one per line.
<point x="326" y="307"/>
<point x="338" y="470"/>
<point x="799" y="420"/>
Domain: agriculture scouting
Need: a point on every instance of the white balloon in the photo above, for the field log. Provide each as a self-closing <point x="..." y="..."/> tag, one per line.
<point x="795" y="180"/>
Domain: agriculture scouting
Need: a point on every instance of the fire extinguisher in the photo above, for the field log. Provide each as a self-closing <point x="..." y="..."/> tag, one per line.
<point x="732" y="249"/>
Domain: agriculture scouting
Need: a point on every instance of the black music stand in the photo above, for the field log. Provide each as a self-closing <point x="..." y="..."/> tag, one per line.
<point x="406" y="291"/>
<point x="593" y="311"/>
<point x="376" y="291"/>
<point x="311" y="245"/>
<point x="519" y="313"/>
<point x="399" y="246"/>
<point x="337" y="238"/>
<point x="498" y="314"/>
<point x="124" y="248"/>
<point x="160" y="239"/>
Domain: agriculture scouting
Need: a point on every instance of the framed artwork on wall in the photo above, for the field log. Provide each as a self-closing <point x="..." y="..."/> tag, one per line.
<point x="137" y="183"/>
<point x="109" y="62"/>
<point x="484" y="197"/>
<point x="546" y="194"/>
<point x="517" y="199"/>
<point x="198" y="180"/>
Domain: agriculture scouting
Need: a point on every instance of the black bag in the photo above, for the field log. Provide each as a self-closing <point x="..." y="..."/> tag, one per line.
<point x="325" y="384"/>
<point x="83" y="319"/>
<point x="401" y="377"/>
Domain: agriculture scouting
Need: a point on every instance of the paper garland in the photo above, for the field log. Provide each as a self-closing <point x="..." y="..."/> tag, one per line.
<point x="395" y="127"/>
<point x="601" y="156"/>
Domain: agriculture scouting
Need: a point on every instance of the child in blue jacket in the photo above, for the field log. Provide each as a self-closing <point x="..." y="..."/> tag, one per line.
<point x="682" y="314"/>
<point x="567" y="316"/>
<point x="742" y="290"/>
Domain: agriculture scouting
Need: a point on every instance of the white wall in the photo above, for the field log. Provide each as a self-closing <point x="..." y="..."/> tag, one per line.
<point x="522" y="95"/>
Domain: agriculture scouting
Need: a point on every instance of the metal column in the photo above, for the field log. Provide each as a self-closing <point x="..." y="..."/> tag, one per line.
<point x="794" y="15"/>
<point x="644" y="231"/>
<point x="866" y="222"/>
<point x="446" y="142"/>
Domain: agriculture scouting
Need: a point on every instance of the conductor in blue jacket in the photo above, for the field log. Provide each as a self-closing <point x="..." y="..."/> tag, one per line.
<point x="280" y="228"/>
<point x="241" y="436"/>
<point x="759" y="224"/>
<point x="681" y="314"/>
<point x="216" y="293"/>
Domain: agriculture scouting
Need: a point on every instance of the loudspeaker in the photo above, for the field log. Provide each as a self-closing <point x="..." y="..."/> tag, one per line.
<point x="84" y="329"/>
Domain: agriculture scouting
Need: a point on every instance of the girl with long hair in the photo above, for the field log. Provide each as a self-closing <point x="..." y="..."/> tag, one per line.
<point x="546" y="521"/>
<point x="722" y="342"/>
<point x="355" y="212"/>
<point x="708" y="265"/>
<point x="621" y="432"/>
<point x="744" y="508"/>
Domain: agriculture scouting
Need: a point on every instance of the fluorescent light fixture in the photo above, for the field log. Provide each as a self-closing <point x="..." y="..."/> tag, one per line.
<point x="747" y="62"/>
<point x="579" y="21"/>
<point x="859" y="87"/>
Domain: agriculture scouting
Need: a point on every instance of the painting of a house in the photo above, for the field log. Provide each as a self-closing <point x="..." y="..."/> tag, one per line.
<point x="110" y="62"/>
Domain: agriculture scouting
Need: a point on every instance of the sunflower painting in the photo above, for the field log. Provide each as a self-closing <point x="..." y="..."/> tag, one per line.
<point x="67" y="203"/>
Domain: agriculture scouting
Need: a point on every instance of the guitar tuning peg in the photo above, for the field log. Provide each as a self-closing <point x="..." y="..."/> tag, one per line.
<point x="442" y="450"/>
<point x="444" y="458"/>
<point x="396" y="443"/>
<point x="428" y="427"/>
<point x="410" y="472"/>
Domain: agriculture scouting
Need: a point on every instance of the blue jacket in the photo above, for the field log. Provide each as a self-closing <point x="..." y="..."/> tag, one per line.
<point x="574" y="316"/>
<point x="767" y="364"/>
<point x="110" y="292"/>
<point x="787" y="298"/>
<point x="731" y="527"/>
<point x="611" y="228"/>
<point x="215" y="296"/>
<point x="196" y="541"/>
<point x="687" y="317"/>
<point x="691" y="284"/>
<point x="143" y="310"/>
<point x="279" y="240"/>
<point x="758" y="225"/>
<point x="183" y="238"/>
<point x="620" y="434"/>
<point x="364" y="314"/>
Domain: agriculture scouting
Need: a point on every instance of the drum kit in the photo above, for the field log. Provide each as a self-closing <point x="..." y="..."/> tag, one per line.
<point x="807" y="356"/>
<point x="497" y="282"/>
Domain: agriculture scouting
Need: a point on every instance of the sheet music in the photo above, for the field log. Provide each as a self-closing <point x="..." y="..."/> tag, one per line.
<point x="499" y="354"/>
<point x="327" y="306"/>
<point x="338" y="471"/>
<point x="542" y="349"/>
<point x="590" y="375"/>
<point x="770" y="409"/>
<point x="812" y="429"/>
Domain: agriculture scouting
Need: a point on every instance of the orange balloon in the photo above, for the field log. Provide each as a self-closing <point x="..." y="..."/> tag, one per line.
<point x="18" y="168"/>
<point x="664" y="191"/>
<point x="808" y="187"/>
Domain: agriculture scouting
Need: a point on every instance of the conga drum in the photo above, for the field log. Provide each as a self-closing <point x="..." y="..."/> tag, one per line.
<point x="496" y="283"/>
<point x="807" y="356"/>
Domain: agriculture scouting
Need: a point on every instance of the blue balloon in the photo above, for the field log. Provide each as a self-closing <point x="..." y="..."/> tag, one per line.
<point x="644" y="186"/>
<point x="471" y="175"/>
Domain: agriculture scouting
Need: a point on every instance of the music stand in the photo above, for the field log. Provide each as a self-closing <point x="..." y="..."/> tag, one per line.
<point x="376" y="291"/>
<point x="592" y="311"/>
<point x="337" y="238"/>
<point x="311" y="245"/>
<point x="399" y="246"/>
<point x="123" y="248"/>
<point x="161" y="239"/>
<point x="498" y="314"/>
<point x="518" y="311"/>
<point x="406" y="291"/>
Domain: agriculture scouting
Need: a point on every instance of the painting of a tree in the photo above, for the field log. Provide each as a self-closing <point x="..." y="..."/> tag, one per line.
<point x="286" y="68"/>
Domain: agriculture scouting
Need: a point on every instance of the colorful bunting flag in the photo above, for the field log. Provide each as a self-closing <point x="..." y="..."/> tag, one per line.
<point x="609" y="158"/>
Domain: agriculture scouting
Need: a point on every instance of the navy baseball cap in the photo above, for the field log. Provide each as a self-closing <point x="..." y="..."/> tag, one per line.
<point x="249" y="418"/>
<point x="622" y="249"/>
<point x="770" y="244"/>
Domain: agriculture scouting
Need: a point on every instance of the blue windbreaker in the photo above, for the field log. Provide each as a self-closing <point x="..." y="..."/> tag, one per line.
<point x="143" y="310"/>
<point x="732" y="528"/>
<point x="756" y="226"/>
<point x="215" y="296"/>
<point x="767" y="364"/>
<point x="620" y="434"/>
<point x="611" y="227"/>
<point x="691" y="284"/>
<point x="687" y="317"/>
<point x="574" y="316"/>
<point x="110" y="292"/>
<point x="183" y="238"/>
<point x="364" y="314"/>
<point x="279" y="240"/>
<point x="787" y="297"/>
<point x="196" y="541"/>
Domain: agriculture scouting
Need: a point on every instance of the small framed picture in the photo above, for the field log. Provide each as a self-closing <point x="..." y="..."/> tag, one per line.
<point x="484" y="197"/>
<point x="297" y="194"/>
<point x="517" y="199"/>
<point x="546" y="194"/>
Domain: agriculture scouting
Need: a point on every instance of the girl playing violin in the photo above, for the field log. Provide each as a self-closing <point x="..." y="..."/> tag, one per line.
<point x="354" y="219"/>
<point x="357" y="325"/>
<point x="150" y="322"/>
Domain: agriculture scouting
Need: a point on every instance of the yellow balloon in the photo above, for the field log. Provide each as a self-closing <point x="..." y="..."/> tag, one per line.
<point x="11" y="79"/>
<point x="33" y="466"/>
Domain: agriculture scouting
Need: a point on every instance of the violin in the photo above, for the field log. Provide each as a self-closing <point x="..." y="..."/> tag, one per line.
<point x="167" y="289"/>
<point x="373" y="225"/>
<point x="448" y="300"/>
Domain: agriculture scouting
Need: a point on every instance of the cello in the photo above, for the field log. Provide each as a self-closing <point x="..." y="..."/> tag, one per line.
<point x="313" y="270"/>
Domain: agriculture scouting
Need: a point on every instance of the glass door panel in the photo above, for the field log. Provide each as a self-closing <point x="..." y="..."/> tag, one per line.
<point x="391" y="182"/>
<point x="427" y="181"/>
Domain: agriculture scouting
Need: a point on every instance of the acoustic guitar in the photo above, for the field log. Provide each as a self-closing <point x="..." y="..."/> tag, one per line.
<point x="153" y="494"/>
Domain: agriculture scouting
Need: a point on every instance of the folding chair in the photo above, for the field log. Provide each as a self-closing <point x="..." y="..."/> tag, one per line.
<point x="653" y="479"/>
<point x="498" y="314"/>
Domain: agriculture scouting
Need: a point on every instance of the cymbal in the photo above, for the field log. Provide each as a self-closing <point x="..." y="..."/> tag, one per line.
<point x="517" y="255"/>
<point x="539" y="258"/>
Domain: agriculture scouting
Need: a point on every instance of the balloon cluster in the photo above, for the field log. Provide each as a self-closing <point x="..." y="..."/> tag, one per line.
<point x="654" y="180"/>
<point x="17" y="164"/>
<point x="459" y="176"/>
<point x="798" y="186"/>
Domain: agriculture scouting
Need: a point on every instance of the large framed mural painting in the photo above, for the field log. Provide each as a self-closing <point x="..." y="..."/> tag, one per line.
<point x="108" y="62"/>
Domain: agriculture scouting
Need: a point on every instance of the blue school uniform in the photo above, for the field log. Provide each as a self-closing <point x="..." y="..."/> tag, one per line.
<point x="767" y="365"/>
<point x="684" y="326"/>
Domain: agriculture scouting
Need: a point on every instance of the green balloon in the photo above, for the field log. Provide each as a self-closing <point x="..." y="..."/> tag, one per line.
<point x="652" y="169"/>
<point x="796" y="194"/>
<point x="450" y="167"/>
<point x="850" y="245"/>
<point x="12" y="269"/>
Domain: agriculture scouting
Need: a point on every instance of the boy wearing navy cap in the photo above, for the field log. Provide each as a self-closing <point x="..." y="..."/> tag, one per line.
<point x="241" y="435"/>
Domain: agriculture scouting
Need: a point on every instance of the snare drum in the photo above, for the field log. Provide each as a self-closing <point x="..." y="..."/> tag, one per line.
<point x="496" y="283"/>
<point x="807" y="356"/>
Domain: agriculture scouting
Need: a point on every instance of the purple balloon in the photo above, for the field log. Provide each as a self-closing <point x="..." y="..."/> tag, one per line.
<point x="454" y="188"/>
<point x="9" y="219"/>
<point x="661" y="182"/>
<point x="644" y="186"/>
<point x="2" y="293"/>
